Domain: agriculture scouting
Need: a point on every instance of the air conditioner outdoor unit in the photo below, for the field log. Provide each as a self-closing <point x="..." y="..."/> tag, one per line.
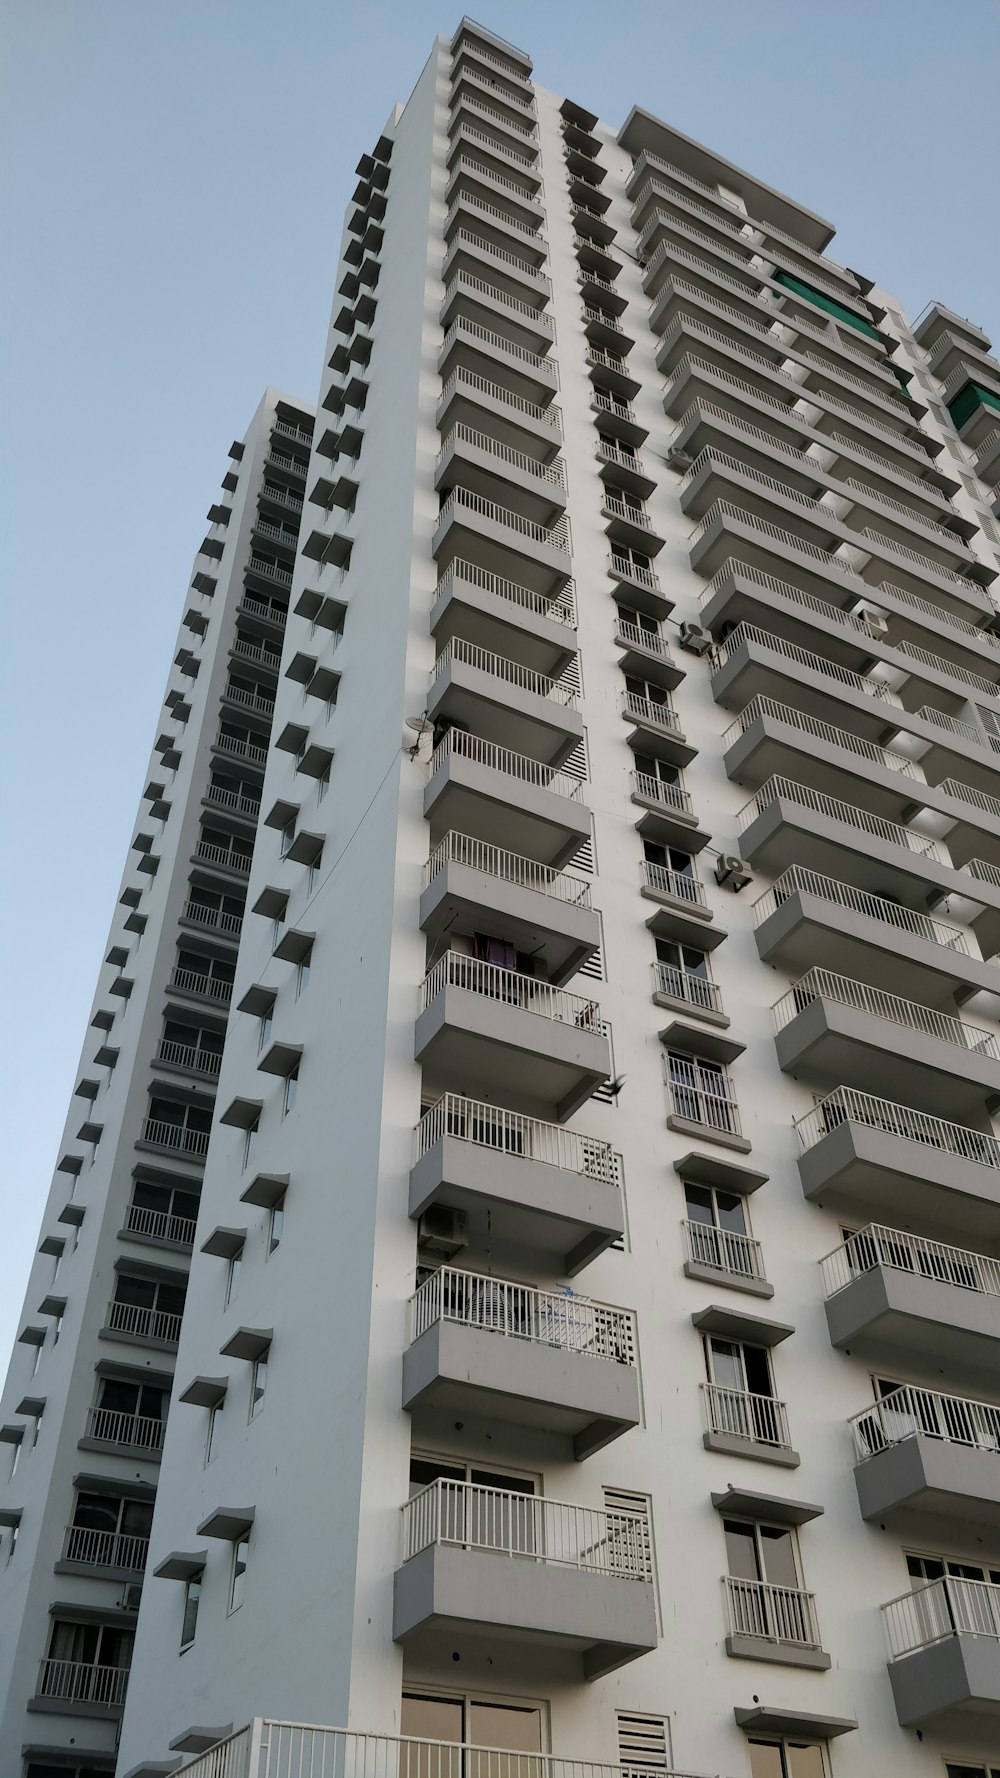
<point x="874" y="622"/>
<point x="695" y="639"/>
<point x="443" y="1230"/>
<point x="132" y="1598"/>
<point x="734" y="872"/>
<point x="679" y="458"/>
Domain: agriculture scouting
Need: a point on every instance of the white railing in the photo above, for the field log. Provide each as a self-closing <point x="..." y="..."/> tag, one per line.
<point x="771" y="1614"/>
<point x="190" y="982"/>
<point x="984" y="871"/>
<point x="656" y="710"/>
<point x="678" y="884"/>
<point x="561" y="608"/>
<point x="623" y="568"/>
<point x="250" y="700"/>
<point x="875" y="826"/>
<point x="136" y="1430"/>
<point x="613" y="453"/>
<point x="559" y="1319"/>
<point x="482" y="287"/>
<point x="197" y="913"/>
<point x="966" y="731"/>
<point x="610" y="321"/>
<point x="523" y="160"/>
<point x="865" y="494"/>
<point x="271" y="571"/>
<point x="847" y="1105"/>
<point x="499" y="119"/>
<point x="908" y="1412"/>
<point x="701" y="1097"/>
<point x="492" y="215"/>
<point x="80" y="1682"/>
<point x="523" y="992"/>
<point x="938" y="615"/>
<point x="209" y="853"/>
<point x="986" y="447"/>
<point x="923" y="565"/>
<point x="256" y="651"/>
<point x="550" y="417"/>
<point x="462" y="238"/>
<point x="798" y="880"/>
<point x="622" y="410"/>
<point x="496" y="342"/>
<point x="650" y="641"/>
<point x="498" y="666"/>
<point x="760" y="708"/>
<point x="615" y="1544"/>
<point x="656" y="790"/>
<point x="623" y="509"/>
<point x="240" y="749"/>
<point x="165" y="1135"/>
<point x="290" y="465"/>
<point x="518" y="1138"/>
<point x="105" y="1549"/>
<point x="967" y="793"/>
<point x="685" y="984"/>
<point x="737" y="1413"/>
<point x="160" y="1225"/>
<point x="897" y="1251"/>
<point x="289" y="431"/>
<point x="281" y="497"/>
<point x="724" y="1250"/>
<point x="949" y="669"/>
<point x="553" y="536"/>
<point x="910" y="1015"/>
<point x="746" y="633"/>
<point x="268" y="529"/>
<point x="939" y="1609"/>
<point x="469" y="167"/>
<point x="787" y="540"/>
<point x="501" y="759"/>
<point x="506" y="867"/>
<point x="149" y="1324"/>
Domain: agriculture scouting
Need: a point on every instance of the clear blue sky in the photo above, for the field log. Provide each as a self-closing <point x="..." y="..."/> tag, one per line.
<point x="175" y="174"/>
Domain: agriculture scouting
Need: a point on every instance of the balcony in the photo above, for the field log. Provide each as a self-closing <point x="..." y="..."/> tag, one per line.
<point x="830" y="1028"/>
<point x="468" y="297"/>
<point x="682" y="911"/>
<point x="201" y="987"/>
<point x="211" y="919"/>
<point x="475" y="887"/>
<point x="860" y="1154"/>
<point x="742" y="1424"/>
<point x="505" y="703"/>
<point x="618" y="418"/>
<point x="646" y="653"/>
<point x="638" y="586"/>
<point x="919" y="1451"/>
<point x="103" y="1549"/>
<point x="518" y="1180"/>
<point x="473" y="177"/>
<point x="894" y="1298"/>
<point x="137" y="1323"/>
<point x="620" y="468"/>
<point x="160" y="1226"/>
<point x="176" y="1138"/>
<point x="513" y="279"/>
<point x="770" y="1623"/>
<point x="470" y="345"/>
<point x="521" y="1568"/>
<point x="97" y="1690"/>
<point x="553" y="1362"/>
<point x="470" y="399"/>
<point x="686" y="991"/>
<point x="506" y="799"/>
<point x="769" y="737"/>
<point x="503" y="541"/>
<point x="944" y="1656"/>
<point x="505" y="618"/>
<point x="669" y="819"/>
<point x="702" y="1103"/>
<point x="752" y="662"/>
<point x="655" y="728"/>
<point x="133" y="1434"/>
<point x="467" y="134"/>
<point x="629" y="527"/>
<point x="723" y="1256"/>
<point x="510" y="1033"/>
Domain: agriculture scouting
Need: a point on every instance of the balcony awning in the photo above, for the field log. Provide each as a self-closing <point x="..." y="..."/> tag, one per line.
<point x="181" y="1565"/>
<point x="205" y="1392"/>
<point x="10" y="1515"/>
<point x="199" y="1737"/>
<point x="228" y="1523"/>
<point x="737" y="1324"/>
<point x="265" y="1189"/>
<point x="707" y="1169"/>
<point x="242" y="1113"/>
<point x="258" y="998"/>
<point x="31" y="1405"/>
<point x="271" y="902"/>
<point x="280" y="1058"/>
<point x="224" y="1243"/>
<point x="294" y="946"/>
<point x="31" y="1336"/>
<point x="133" y="1373"/>
<point x="698" y="1040"/>
<point x="747" y="1503"/>
<point x="72" y="1214"/>
<point x="115" y="1487"/>
<point x="247" y="1342"/>
<point x="774" y="1720"/>
<point x="78" y="1611"/>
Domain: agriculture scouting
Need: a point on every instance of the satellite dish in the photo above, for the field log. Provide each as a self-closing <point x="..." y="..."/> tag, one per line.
<point x="421" y="725"/>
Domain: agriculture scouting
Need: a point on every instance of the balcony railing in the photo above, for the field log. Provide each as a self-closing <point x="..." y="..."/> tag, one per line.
<point x="562" y="1320"/>
<point x="847" y="1105"/>
<point x="249" y="700"/>
<point x="724" y="1250"/>
<point x="623" y="509"/>
<point x="462" y="238"/>
<point x="621" y="410"/>
<point x="737" y="1413"/>
<point x="160" y="1225"/>
<point x="967" y="793"/>
<point x="685" y="984"/>
<point x="925" y="1413"/>
<point x="501" y="121"/>
<point x="501" y="759"/>
<point x="271" y="571"/>
<point x="523" y="992"/>
<point x="209" y="853"/>
<point x="525" y="160"/>
<point x="256" y="651"/>
<point x="798" y="880"/>
<point x="529" y="1525"/>
<point x="290" y="466"/>
<point x="984" y="871"/>
<point x="701" y="1098"/>
<point x="156" y="1129"/>
<point x="492" y="214"/>
<point x="874" y="826"/>
<point x="238" y="748"/>
<point x="198" y="914"/>
<point x="549" y="417"/>
<point x="553" y="536"/>
<point x="492" y="292"/>
<point x="512" y="673"/>
<point x="497" y="342"/>
<point x="939" y="1609"/>
<point x="771" y="1614"/>
<point x="474" y="169"/>
<point x="657" y="790"/>
<point x="679" y="884"/>
<point x="149" y="1324"/>
<point x="760" y="708"/>
<point x="506" y="867"/>
<point x="898" y="1251"/>
<point x="561" y="609"/>
<point x="136" y="1430"/>
<point x="240" y="800"/>
<point x="79" y="1682"/>
<point x="278" y="532"/>
<point x="105" y="1549"/>
<point x="822" y="984"/>
<point x="623" y="568"/>
<point x="745" y="634"/>
<point x="650" y="641"/>
<point x="659" y="711"/>
<point x="488" y="1126"/>
<point x="190" y="982"/>
<point x="287" y="430"/>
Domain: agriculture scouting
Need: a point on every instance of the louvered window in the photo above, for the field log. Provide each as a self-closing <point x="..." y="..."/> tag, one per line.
<point x="643" y="1747"/>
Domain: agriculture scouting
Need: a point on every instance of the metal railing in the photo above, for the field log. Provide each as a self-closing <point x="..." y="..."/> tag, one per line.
<point x="80" y="1682"/>
<point x="876" y="1245"/>
<point x="155" y="1129"/>
<point x="798" y="880"/>
<point x="684" y="984"/>
<point x="624" y="509"/>
<point x="290" y="465"/>
<point x="875" y="826"/>
<point x="771" y="1614"/>
<point x="492" y="215"/>
<point x="160" y="1225"/>
<point x="908" y="1412"/>
<point x="506" y="867"/>
<point x="657" y="790"/>
<point x="481" y="286"/>
<point x="700" y="1097"/>
<point x="271" y="571"/>
<point x="910" y="1015"/>
<point x="678" y="884"/>
<point x="866" y="494"/>
<point x="966" y="731"/>
<point x="967" y="793"/>
<point x="267" y="528"/>
<point x="623" y="568"/>
<point x="135" y="1430"/>
<point x="486" y="1125"/>
<point x="847" y="1105"/>
<point x="761" y="707"/>
<point x="524" y="160"/>
<point x="499" y="119"/>
<point x="105" y="1549"/>
<point x="615" y="1544"/>
<point x="287" y="430"/>
<point x="984" y="871"/>
<point x="656" y="710"/>
<point x="554" y="536"/>
<point x="281" y="497"/>
<point x="559" y="1319"/>
<point x="149" y="1324"/>
<point x="650" y="641"/>
<point x="746" y="633"/>
<point x="610" y="321"/>
<point x="613" y="453"/>
<point x="738" y="1413"/>
<point x="463" y="238"/>
<point x="724" y="1250"/>
<point x="622" y="410"/>
<point x="523" y="992"/>
<point x="939" y="1609"/>
<point x="461" y="328"/>
<point x="561" y="608"/>
<point x="950" y="671"/>
<point x="501" y="759"/>
<point x="474" y="169"/>
<point x="256" y="651"/>
<point x="210" y="853"/>
<point x="190" y="982"/>
<point x="549" y="417"/>
<point x="923" y="565"/>
<point x="240" y="749"/>
<point x="249" y="700"/>
<point x="198" y="913"/>
<point x="499" y="666"/>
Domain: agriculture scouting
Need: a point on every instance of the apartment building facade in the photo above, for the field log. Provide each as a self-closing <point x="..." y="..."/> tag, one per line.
<point x="589" y="1348"/>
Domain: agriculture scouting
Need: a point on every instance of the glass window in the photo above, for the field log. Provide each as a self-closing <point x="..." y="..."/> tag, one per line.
<point x="275" y="1225"/>
<point x="211" y="1437"/>
<point x="266" y="1027"/>
<point x="192" y="1595"/>
<point x="237" y="1587"/>
<point x="291" y="1091"/>
<point x="323" y="785"/>
<point x="258" y="1383"/>
<point x="787" y="1759"/>
<point x="288" y="833"/>
<point x="233" y="1277"/>
<point x="249" y="1144"/>
<point x="302" y="975"/>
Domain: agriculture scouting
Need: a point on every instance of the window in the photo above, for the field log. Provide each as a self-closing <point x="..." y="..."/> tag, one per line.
<point x="192" y="1597"/>
<point x="291" y="1091"/>
<point x="643" y="1745"/>
<point x="212" y="1434"/>
<point x="956" y="1769"/>
<point x="266" y="1027"/>
<point x="322" y="785"/>
<point x="762" y="1558"/>
<point x="15" y="1459"/>
<point x="701" y="1092"/>
<point x="717" y="1230"/>
<point x="38" y="1426"/>
<point x="314" y="874"/>
<point x="514" y="1726"/>
<point x="233" y="1273"/>
<point x="786" y="1759"/>
<point x="682" y="974"/>
<point x="258" y="1384"/>
<point x="37" y="1349"/>
<point x="287" y="840"/>
<point x="741" y="1392"/>
<point x="302" y="973"/>
<point x="275" y="1224"/>
<point x="237" y="1584"/>
<point x="250" y="1143"/>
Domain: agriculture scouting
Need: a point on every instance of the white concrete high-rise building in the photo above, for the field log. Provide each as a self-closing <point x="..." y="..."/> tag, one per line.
<point x="591" y="1332"/>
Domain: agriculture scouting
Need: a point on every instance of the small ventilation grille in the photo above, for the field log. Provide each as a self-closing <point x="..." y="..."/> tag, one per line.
<point x="594" y="967"/>
<point x="642" y="1744"/>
